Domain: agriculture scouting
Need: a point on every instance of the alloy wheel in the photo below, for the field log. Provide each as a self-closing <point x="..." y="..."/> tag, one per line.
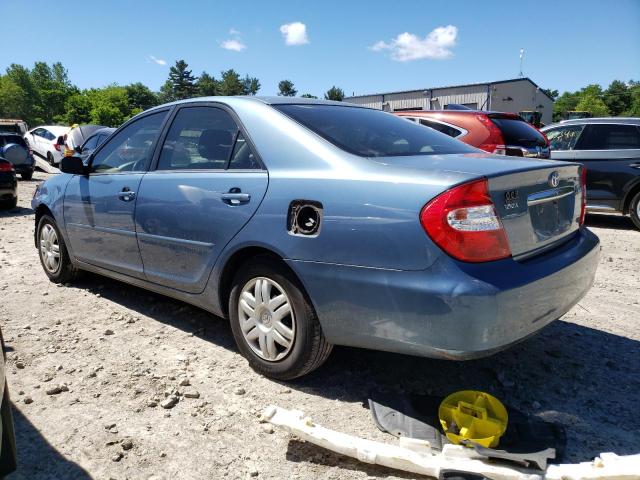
<point x="49" y="248"/>
<point x="266" y="319"/>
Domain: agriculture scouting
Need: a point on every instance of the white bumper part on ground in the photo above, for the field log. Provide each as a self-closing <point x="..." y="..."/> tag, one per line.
<point x="416" y="456"/>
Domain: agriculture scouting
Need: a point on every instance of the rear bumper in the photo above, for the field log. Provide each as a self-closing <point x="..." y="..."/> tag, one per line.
<point x="452" y="310"/>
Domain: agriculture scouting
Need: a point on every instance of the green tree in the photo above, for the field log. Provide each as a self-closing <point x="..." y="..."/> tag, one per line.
<point x="592" y="104"/>
<point x="78" y="109"/>
<point x="617" y="97"/>
<point x="553" y="94"/>
<point x="141" y="97"/>
<point x="52" y="88"/>
<point x="634" y="107"/>
<point x="27" y="109"/>
<point x="286" y="89"/>
<point x="180" y="84"/>
<point x="207" y="85"/>
<point x="334" y="93"/>
<point x="251" y="85"/>
<point x="308" y="95"/>
<point x="565" y="103"/>
<point x="231" y="84"/>
<point x="12" y="98"/>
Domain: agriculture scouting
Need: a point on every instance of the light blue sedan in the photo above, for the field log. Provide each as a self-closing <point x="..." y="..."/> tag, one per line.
<point x="309" y="224"/>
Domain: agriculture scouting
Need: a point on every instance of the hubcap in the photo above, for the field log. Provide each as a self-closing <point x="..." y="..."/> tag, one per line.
<point x="49" y="248"/>
<point x="266" y="319"/>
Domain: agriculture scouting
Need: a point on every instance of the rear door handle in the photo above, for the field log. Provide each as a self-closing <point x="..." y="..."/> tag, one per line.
<point x="635" y="165"/>
<point x="235" y="198"/>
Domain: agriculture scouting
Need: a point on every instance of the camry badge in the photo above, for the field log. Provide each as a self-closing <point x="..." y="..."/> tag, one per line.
<point x="554" y="179"/>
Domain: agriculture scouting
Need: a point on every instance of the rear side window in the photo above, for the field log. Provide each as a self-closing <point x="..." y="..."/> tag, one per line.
<point x="518" y="132"/>
<point x="372" y="133"/>
<point x="6" y="139"/>
<point x="441" y="127"/>
<point x="199" y="138"/>
<point x="564" y="138"/>
<point x="609" y="137"/>
<point x="91" y="144"/>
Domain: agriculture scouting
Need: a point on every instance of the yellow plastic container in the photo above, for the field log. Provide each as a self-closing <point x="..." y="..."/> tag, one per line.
<point x="475" y="416"/>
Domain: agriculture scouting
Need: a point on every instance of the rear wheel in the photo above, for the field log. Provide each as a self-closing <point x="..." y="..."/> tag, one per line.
<point x="9" y="204"/>
<point x="634" y="209"/>
<point x="273" y="323"/>
<point x="27" y="175"/>
<point x="53" y="252"/>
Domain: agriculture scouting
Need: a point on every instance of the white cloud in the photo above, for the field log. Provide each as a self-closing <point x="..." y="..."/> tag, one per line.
<point x="407" y="46"/>
<point x="294" y="33"/>
<point x="159" y="61"/>
<point x="233" y="44"/>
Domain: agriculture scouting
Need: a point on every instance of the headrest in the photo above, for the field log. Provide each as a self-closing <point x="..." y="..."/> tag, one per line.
<point x="215" y="144"/>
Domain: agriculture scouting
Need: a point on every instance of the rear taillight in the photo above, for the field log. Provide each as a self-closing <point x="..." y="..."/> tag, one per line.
<point x="464" y="223"/>
<point x="56" y="146"/>
<point x="494" y="143"/>
<point x="6" y="167"/>
<point x="583" y="187"/>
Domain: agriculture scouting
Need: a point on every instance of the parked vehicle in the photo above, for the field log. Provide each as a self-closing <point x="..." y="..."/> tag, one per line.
<point x="77" y="136"/>
<point x="493" y="132"/>
<point x="8" y="185"/>
<point x="92" y="142"/>
<point x="310" y="223"/>
<point x="13" y="125"/>
<point x="8" y="458"/>
<point x="47" y="142"/>
<point x="15" y="150"/>
<point x="610" y="149"/>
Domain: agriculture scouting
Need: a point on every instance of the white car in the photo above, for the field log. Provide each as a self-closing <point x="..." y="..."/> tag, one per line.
<point x="44" y="141"/>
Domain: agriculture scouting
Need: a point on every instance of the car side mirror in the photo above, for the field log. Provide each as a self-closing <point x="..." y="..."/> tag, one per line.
<point x="73" y="165"/>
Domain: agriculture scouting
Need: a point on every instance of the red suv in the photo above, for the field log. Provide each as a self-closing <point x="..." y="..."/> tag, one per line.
<point x="494" y="132"/>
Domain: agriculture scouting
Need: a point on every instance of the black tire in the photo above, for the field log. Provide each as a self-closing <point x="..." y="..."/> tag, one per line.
<point x="27" y="175"/>
<point x="65" y="271"/>
<point x="8" y="453"/>
<point x="50" y="159"/>
<point x="634" y="210"/>
<point x="309" y="349"/>
<point x="9" y="204"/>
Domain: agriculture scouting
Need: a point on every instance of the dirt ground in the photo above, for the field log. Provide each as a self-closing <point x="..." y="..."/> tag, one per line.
<point x="117" y="352"/>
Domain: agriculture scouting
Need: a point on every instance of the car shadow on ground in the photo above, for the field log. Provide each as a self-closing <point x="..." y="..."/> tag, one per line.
<point x="582" y="378"/>
<point x="616" y="222"/>
<point x="16" y="212"/>
<point x="37" y="458"/>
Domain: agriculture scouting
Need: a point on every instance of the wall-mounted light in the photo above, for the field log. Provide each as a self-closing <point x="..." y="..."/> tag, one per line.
<point x="508" y="99"/>
<point x="540" y="106"/>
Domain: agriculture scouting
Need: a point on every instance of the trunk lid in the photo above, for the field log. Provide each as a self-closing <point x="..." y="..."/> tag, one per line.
<point x="537" y="200"/>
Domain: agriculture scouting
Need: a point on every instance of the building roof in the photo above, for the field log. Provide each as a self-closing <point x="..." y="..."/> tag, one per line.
<point x="520" y="79"/>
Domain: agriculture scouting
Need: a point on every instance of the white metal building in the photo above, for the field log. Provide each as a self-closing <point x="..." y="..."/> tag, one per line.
<point x="515" y="95"/>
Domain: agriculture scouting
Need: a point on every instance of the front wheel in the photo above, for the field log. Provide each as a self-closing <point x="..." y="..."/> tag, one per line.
<point x="273" y="323"/>
<point x="634" y="210"/>
<point x="53" y="253"/>
<point x="50" y="159"/>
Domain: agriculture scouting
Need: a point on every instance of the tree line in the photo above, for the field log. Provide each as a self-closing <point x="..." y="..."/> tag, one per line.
<point x="44" y="94"/>
<point x="620" y="99"/>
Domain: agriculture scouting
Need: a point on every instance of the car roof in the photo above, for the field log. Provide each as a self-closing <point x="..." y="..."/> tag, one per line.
<point x="625" y="120"/>
<point x="456" y="112"/>
<point x="102" y="130"/>
<point x="260" y="99"/>
<point x="54" y="128"/>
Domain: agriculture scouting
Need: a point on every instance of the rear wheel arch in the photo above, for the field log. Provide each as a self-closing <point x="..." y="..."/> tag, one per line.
<point x="629" y="196"/>
<point x="234" y="263"/>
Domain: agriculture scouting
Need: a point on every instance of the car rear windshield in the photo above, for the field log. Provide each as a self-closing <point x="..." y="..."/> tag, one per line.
<point x="6" y="139"/>
<point x="372" y="133"/>
<point x="518" y="132"/>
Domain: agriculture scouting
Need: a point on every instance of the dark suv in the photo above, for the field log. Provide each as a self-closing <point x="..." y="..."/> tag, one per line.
<point x="610" y="149"/>
<point x="14" y="149"/>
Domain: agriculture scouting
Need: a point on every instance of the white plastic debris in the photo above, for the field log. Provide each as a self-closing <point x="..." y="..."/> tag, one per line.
<point x="416" y="456"/>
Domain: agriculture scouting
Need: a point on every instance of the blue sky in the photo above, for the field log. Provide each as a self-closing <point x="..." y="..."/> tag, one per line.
<point x="360" y="46"/>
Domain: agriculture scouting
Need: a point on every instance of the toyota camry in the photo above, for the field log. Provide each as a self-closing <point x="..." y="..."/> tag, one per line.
<point x="311" y="223"/>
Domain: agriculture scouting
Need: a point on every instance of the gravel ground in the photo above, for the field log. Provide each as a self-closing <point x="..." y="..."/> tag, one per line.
<point x="89" y="365"/>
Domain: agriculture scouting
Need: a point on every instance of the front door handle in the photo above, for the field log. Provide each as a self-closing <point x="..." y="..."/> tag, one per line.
<point x="126" y="195"/>
<point x="235" y="197"/>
